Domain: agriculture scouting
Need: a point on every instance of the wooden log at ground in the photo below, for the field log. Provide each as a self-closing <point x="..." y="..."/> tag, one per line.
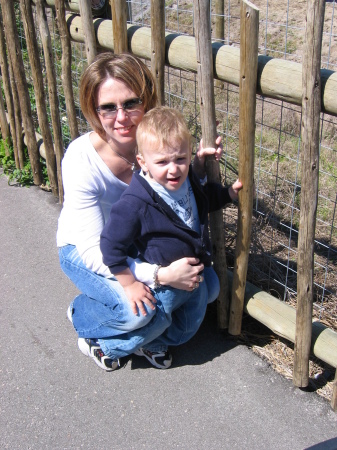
<point x="311" y="107"/>
<point x="89" y="32"/>
<point x="119" y="25"/>
<point x="209" y="135"/>
<point x="39" y="140"/>
<point x="13" y="47"/>
<point x="280" y="318"/>
<point x="41" y="107"/>
<point x="249" y="32"/>
<point x="277" y="78"/>
<point x="52" y="91"/>
<point x="158" y="47"/>
<point x="66" y="68"/>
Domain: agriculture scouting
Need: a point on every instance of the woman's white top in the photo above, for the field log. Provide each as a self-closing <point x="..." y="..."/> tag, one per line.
<point x="90" y="189"/>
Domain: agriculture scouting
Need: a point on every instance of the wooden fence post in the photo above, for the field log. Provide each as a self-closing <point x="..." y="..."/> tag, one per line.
<point x="20" y="156"/>
<point x="4" y="125"/>
<point x="219" y="19"/>
<point x="4" y="66"/>
<point x="158" y="47"/>
<point x="13" y="46"/>
<point x="311" y="107"/>
<point x="6" y="135"/>
<point x="34" y="59"/>
<point x="89" y="31"/>
<point x="119" y="25"/>
<point x="334" y="394"/>
<point x="66" y="68"/>
<point x="219" y="30"/>
<point x="52" y="90"/>
<point x="249" y="32"/>
<point x="209" y="134"/>
<point x="19" y="132"/>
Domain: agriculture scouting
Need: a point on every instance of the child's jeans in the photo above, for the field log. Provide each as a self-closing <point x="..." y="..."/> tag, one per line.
<point x="103" y="311"/>
<point x="185" y="309"/>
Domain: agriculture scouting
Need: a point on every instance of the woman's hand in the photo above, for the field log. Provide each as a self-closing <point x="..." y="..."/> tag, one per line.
<point x="200" y="157"/>
<point x="182" y="274"/>
<point x="138" y="295"/>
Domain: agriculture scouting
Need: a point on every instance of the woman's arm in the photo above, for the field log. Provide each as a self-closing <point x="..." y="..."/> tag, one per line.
<point x="181" y="274"/>
<point x="82" y="219"/>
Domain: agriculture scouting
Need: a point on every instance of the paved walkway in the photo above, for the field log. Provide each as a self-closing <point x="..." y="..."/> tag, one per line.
<point x="217" y="395"/>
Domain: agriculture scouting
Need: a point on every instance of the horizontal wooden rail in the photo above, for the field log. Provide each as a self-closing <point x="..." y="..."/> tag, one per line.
<point x="70" y="5"/>
<point x="281" y="319"/>
<point x="276" y="78"/>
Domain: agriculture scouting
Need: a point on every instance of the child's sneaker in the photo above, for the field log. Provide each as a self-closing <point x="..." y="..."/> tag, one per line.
<point x="161" y="360"/>
<point x="90" y="347"/>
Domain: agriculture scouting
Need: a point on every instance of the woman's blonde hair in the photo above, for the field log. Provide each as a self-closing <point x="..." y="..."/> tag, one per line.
<point x="123" y="67"/>
<point x="162" y="125"/>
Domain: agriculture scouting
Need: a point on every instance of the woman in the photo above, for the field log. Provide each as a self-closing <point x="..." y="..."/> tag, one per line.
<point x="115" y="93"/>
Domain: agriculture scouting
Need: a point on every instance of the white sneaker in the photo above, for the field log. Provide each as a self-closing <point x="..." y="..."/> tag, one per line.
<point x="160" y="360"/>
<point x="90" y="347"/>
<point x="70" y="313"/>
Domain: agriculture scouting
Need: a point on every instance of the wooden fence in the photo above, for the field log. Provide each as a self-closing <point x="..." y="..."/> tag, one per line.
<point x="307" y="85"/>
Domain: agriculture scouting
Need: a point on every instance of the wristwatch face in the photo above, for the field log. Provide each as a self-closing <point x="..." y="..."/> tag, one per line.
<point x="97" y="4"/>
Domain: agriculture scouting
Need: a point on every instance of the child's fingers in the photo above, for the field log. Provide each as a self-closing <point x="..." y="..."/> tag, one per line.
<point x="134" y="308"/>
<point x="237" y="185"/>
<point x="141" y="303"/>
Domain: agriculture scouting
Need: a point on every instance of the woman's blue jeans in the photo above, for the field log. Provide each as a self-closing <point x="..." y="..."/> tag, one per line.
<point x="103" y="311"/>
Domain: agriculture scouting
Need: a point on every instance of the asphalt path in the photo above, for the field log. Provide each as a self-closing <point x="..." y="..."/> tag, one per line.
<point x="216" y="395"/>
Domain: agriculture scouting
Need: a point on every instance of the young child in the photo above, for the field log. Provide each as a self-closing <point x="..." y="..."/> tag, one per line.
<point x="164" y="213"/>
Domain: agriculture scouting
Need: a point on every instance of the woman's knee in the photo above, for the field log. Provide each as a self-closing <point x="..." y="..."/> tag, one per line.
<point x="134" y="321"/>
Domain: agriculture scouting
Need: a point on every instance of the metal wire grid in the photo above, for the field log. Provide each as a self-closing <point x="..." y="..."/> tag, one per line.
<point x="273" y="256"/>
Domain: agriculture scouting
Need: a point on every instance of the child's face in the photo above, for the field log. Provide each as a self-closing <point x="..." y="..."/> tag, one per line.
<point x="167" y="165"/>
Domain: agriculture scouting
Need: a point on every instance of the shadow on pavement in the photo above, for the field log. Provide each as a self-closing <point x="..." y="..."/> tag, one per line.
<point x="208" y="344"/>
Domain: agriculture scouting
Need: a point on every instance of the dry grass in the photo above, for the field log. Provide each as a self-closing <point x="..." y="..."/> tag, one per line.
<point x="279" y="354"/>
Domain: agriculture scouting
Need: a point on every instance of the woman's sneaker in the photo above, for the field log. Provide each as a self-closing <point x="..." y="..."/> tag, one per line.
<point x="161" y="360"/>
<point x="90" y="347"/>
<point x="70" y="313"/>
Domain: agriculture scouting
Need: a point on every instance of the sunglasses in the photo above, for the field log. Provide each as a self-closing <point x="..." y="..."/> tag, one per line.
<point x="110" y="110"/>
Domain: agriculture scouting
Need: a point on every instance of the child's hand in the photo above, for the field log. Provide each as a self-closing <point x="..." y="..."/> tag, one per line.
<point x="199" y="159"/>
<point x="208" y="151"/>
<point x="234" y="190"/>
<point x="138" y="295"/>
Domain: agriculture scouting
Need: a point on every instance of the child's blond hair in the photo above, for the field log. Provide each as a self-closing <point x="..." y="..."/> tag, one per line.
<point x="163" y="126"/>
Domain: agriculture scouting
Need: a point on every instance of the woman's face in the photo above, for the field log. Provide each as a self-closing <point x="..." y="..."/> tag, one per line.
<point x="121" y="129"/>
